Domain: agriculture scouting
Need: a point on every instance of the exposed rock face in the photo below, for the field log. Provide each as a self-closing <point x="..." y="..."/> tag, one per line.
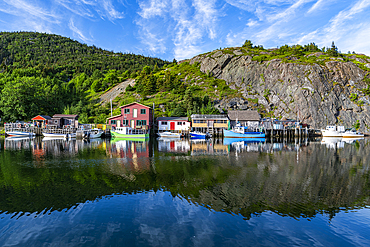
<point x="318" y="95"/>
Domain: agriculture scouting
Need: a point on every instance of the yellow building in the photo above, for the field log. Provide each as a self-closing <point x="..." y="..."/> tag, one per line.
<point x="213" y="124"/>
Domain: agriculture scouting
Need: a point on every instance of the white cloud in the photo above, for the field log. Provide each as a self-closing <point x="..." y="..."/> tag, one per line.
<point x="20" y="7"/>
<point x="187" y="25"/>
<point x="78" y="32"/>
<point x="110" y="11"/>
<point x="317" y="6"/>
<point x="342" y="29"/>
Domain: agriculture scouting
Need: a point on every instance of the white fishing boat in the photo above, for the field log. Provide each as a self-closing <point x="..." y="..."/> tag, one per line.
<point x="93" y="133"/>
<point x="59" y="135"/>
<point x="168" y="134"/>
<point x="19" y="133"/>
<point x="333" y="131"/>
<point x="352" y="133"/>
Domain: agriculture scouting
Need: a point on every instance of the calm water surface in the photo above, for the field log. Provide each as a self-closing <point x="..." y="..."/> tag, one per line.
<point x="184" y="193"/>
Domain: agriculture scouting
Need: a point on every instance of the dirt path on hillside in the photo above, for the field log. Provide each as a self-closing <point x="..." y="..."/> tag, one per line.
<point x="115" y="91"/>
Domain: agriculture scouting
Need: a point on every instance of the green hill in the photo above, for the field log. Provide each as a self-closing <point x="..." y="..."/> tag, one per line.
<point x="48" y="74"/>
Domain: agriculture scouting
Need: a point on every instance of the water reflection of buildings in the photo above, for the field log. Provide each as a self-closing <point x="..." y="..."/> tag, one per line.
<point x="209" y="146"/>
<point x="133" y="153"/>
<point x="173" y="145"/>
<point x="41" y="147"/>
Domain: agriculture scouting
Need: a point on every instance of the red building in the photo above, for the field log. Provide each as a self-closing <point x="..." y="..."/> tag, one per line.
<point x="134" y="115"/>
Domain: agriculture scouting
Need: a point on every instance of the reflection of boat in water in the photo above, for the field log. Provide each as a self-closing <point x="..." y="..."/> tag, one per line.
<point x="333" y="142"/>
<point x="242" y="132"/>
<point x="18" y="142"/>
<point x="135" y="139"/>
<point x="229" y="141"/>
<point x="173" y="145"/>
<point x="128" y="132"/>
<point x="247" y="144"/>
<point x="338" y="142"/>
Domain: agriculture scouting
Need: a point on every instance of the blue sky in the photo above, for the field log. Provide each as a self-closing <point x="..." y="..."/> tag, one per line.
<point x="184" y="28"/>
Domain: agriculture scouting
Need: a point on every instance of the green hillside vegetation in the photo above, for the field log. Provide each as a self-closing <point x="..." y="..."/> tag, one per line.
<point x="49" y="74"/>
<point x="179" y="90"/>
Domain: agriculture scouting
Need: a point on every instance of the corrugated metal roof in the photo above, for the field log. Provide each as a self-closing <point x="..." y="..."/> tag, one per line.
<point x="244" y="115"/>
<point x="64" y="116"/>
<point x="172" y="119"/>
<point x="202" y="116"/>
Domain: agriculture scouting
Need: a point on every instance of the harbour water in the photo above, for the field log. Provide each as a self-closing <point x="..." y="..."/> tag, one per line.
<point x="184" y="193"/>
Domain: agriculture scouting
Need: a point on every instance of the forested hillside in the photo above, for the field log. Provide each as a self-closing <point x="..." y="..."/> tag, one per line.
<point x="48" y="74"/>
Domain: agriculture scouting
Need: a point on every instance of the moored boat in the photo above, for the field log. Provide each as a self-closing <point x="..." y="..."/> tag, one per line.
<point x="59" y="135"/>
<point x="352" y="133"/>
<point x="93" y="133"/>
<point x="242" y="132"/>
<point x="199" y="135"/>
<point x="19" y="133"/>
<point x="128" y="132"/>
<point x="168" y="134"/>
<point x="333" y="131"/>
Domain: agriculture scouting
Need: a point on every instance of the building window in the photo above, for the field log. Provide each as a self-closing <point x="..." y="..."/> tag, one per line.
<point x="163" y="123"/>
<point x="140" y="122"/>
<point x="221" y="121"/>
<point x="143" y="111"/>
<point x="125" y="122"/>
<point x="199" y="121"/>
<point x="183" y="123"/>
<point x="127" y="111"/>
<point x="113" y="121"/>
<point x="179" y="123"/>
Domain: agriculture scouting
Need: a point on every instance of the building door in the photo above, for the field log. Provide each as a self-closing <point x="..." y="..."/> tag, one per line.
<point x="172" y="125"/>
<point x="118" y="123"/>
<point x="133" y="124"/>
<point x="210" y="123"/>
<point x="134" y="113"/>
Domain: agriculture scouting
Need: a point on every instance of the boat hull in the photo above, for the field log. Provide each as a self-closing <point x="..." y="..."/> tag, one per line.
<point x="169" y="135"/>
<point x="326" y="133"/>
<point x="19" y="133"/>
<point x="352" y="135"/>
<point x="119" y="135"/>
<point x="56" y="135"/>
<point x="232" y="134"/>
<point x="198" y="135"/>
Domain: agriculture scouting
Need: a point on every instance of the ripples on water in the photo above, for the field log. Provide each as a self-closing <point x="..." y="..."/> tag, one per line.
<point x="183" y="192"/>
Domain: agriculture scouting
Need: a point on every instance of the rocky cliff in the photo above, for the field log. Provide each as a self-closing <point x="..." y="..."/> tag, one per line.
<point x="331" y="90"/>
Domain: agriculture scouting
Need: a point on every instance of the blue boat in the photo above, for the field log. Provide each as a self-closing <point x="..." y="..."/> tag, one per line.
<point x="199" y="135"/>
<point x="242" y="132"/>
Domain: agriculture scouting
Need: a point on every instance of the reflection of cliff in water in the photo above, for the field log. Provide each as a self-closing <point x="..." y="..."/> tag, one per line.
<point x="312" y="179"/>
<point x="298" y="184"/>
